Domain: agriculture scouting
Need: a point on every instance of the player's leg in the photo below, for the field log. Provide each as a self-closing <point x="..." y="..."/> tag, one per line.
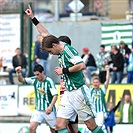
<point x="33" y="126"/>
<point x="100" y="119"/>
<point x="50" y="120"/>
<point x="73" y="126"/>
<point x="64" y="114"/>
<point x="91" y="125"/>
<point x="85" y="109"/>
<point x="35" y="120"/>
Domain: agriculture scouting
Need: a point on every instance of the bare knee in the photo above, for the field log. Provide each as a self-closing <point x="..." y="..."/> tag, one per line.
<point x="32" y="129"/>
<point x="90" y="124"/>
<point x="61" y="123"/>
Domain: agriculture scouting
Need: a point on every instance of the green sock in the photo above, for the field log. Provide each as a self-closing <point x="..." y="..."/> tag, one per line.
<point x="64" y="130"/>
<point x="97" y="130"/>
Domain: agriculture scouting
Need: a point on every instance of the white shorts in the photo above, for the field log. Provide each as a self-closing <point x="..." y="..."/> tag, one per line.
<point x="40" y="116"/>
<point x="76" y="102"/>
<point x="99" y="118"/>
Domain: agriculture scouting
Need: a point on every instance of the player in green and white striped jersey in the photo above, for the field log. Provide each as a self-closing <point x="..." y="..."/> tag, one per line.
<point x="77" y="99"/>
<point x="46" y="96"/>
<point x="98" y="97"/>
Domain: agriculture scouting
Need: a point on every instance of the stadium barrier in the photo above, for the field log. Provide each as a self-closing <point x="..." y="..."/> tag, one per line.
<point x="20" y="99"/>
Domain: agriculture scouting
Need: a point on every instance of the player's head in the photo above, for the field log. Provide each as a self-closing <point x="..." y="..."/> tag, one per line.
<point x="50" y="44"/>
<point x="39" y="72"/>
<point x="96" y="83"/>
<point x="65" y="39"/>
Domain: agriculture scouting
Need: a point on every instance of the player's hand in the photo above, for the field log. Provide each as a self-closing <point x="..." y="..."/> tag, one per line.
<point x="18" y="69"/>
<point x="29" y="12"/>
<point x="107" y="67"/>
<point x="48" y="110"/>
<point x="114" y="68"/>
<point x="58" y="70"/>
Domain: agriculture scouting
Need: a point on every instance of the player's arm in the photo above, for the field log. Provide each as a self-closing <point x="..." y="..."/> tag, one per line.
<point x="77" y="67"/>
<point x="53" y="101"/>
<point x="107" y="76"/>
<point x="49" y="109"/>
<point x="42" y="30"/>
<point x="19" y="75"/>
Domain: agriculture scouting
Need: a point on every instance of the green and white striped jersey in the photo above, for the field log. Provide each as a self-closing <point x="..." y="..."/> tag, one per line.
<point x="68" y="58"/>
<point x="98" y="98"/>
<point x="44" y="91"/>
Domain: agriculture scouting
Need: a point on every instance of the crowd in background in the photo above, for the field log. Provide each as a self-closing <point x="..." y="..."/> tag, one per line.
<point x="120" y="60"/>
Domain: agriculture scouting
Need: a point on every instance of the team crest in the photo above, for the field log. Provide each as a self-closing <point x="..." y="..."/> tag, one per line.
<point x="97" y="95"/>
<point x="41" y="91"/>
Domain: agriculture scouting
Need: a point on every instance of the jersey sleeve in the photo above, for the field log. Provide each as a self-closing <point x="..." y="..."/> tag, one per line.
<point x="104" y="88"/>
<point x="53" y="89"/>
<point x="72" y="55"/>
<point x="29" y="80"/>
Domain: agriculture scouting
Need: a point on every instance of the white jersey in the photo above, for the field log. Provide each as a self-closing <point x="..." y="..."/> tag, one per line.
<point x="44" y="91"/>
<point x="98" y="98"/>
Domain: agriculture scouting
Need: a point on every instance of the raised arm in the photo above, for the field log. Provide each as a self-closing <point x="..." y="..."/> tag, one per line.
<point x="107" y="75"/>
<point x="19" y="75"/>
<point x="42" y="30"/>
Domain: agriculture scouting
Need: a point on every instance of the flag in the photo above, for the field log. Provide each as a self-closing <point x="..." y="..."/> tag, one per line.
<point x="113" y="33"/>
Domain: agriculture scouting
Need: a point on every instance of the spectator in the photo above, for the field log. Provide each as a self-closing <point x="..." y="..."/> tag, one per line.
<point x="126" y="110"/>
<point x="130" y="67"/>
<point x="89" y="62"/>
<point x="17" y="60"/>
<point x="118" y="65"/>
<point x="110" y="121"/>
<point x="124" y="48"/>
<point x="41" y="57"/>
<point x="102" y="59"/>
<point x="125" y="51"/>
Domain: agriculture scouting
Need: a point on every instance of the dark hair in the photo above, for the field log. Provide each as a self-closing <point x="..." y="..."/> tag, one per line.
<point x="65" y="39"/>
<point x="48" y="41"/>
<point x="38" y="68"/>
<point x="115" y="47"/>
<point x="18" y="49"/>
<point x="103" y="46"/>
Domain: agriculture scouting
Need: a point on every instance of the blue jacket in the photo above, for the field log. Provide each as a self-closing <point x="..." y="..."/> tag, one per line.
<point x="110" y="121"/>
<point x="40" y="54"/>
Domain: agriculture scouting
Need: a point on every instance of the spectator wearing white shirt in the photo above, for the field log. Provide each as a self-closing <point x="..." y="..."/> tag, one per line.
<point x="126" y="110"/>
